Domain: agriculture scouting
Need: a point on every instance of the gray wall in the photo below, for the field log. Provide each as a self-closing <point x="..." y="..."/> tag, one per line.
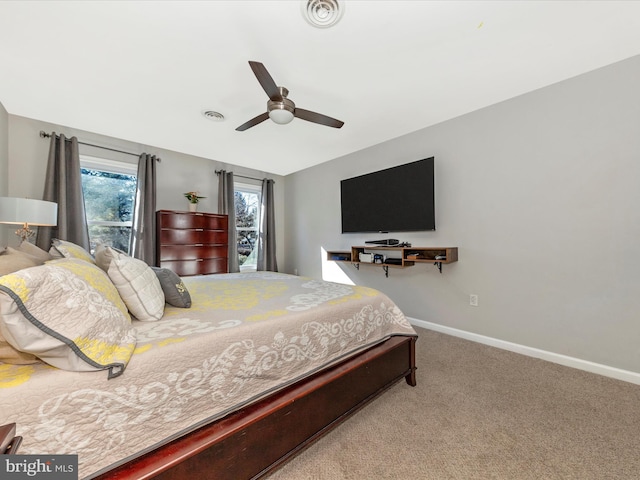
<point x="539" y="193"/>
<point x="177" y="173"/>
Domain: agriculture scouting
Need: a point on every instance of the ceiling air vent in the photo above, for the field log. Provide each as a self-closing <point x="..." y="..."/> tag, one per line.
<point x="322" y="13"/>
<point x="214" y="116"/>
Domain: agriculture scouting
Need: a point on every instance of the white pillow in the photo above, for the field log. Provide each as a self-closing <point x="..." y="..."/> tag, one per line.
<point x="136" y="282"/>
<point x="104" y="254"/>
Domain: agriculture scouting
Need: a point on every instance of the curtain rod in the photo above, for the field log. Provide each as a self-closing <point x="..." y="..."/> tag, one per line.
<point x="218" y="172"/>
<point x="48" y="135"/>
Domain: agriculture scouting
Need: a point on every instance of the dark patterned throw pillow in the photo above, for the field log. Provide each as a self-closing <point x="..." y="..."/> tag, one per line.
<point x="175" y="291"/>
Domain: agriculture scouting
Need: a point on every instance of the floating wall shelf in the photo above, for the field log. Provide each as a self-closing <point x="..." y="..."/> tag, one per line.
<point x="395" y="256"/>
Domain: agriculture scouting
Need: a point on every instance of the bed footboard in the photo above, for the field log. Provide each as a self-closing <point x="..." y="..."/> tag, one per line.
<point x="255" y="440"/>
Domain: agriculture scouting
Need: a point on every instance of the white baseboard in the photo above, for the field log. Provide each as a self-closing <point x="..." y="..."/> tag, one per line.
<point x="625" y="375"/>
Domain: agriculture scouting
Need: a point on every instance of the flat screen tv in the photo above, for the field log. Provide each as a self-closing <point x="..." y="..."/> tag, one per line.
<point x="397" y="199"/>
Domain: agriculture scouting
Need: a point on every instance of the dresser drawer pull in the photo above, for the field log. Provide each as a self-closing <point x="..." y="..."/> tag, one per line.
<point x="199" y="259"/>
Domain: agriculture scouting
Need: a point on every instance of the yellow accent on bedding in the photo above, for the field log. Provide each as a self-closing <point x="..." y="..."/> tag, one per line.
<point x="14" y="375"/>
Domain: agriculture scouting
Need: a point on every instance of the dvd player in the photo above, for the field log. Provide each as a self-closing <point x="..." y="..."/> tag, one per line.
<point x="388" y="241"/>
<point x="393" y="261"/>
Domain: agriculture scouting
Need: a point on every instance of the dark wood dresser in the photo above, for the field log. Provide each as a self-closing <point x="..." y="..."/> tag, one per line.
<point x="192" y="243"/>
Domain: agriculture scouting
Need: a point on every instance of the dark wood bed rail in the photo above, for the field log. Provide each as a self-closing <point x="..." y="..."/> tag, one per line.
<point x="9" y="442"/>
<point x="255" y="440"/>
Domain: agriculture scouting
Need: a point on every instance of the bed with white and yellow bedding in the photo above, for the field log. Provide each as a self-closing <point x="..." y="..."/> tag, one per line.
<point x="212" y="388"/>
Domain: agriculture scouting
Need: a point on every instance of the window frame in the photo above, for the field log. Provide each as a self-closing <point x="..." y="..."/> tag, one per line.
<point x="110" y="166"/>
<point x="241" y="187"/>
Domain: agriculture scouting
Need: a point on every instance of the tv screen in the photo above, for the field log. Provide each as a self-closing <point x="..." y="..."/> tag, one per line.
<point x="397" y="199"/>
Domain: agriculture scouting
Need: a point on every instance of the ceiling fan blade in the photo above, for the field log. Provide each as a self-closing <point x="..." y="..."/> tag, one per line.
<point x="314" y="117"/>
<point x="253" y="122"/>
<point x="266" y="81"/>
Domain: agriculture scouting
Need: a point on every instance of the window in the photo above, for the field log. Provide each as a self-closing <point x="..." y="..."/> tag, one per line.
<point x="247" y="199"/>
<point x="109" y="190"/>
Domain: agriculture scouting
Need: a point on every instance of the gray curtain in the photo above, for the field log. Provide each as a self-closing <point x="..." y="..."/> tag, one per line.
<point x="63" y="185"/>
<point x="226" y="205"/>
<point x="142" y="243"/>
<point x="267" y="234"/>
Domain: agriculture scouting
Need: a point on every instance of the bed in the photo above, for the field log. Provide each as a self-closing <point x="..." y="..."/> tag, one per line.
<point x="258" y="367"/>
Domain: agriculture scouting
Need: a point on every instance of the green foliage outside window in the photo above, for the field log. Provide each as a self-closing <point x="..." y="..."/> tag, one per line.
<point x="108" y="200"/>
<point x="247" y="206"/>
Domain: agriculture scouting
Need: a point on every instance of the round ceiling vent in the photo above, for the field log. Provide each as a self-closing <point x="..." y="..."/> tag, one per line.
<point x="214" y="116"/>
<point x="322" y="13"/>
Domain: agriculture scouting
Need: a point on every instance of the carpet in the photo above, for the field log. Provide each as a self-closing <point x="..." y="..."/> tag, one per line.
<point x="479" y="412"/>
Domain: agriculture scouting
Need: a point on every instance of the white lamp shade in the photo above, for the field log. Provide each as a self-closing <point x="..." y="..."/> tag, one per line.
<point x="281" y="116"/>
<point x="27" y="210"/>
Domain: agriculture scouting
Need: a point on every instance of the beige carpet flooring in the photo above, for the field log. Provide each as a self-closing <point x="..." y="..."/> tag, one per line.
<point x="483" y="413"/>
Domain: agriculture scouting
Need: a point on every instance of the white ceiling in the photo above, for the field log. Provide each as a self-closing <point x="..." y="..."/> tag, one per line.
<point x="144" y="71"/>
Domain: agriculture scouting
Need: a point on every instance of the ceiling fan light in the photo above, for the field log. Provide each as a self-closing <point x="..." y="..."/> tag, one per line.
<point x="281" y="116"/>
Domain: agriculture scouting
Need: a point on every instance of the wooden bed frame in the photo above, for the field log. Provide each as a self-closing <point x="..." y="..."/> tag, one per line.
<point x="255" y="440"/>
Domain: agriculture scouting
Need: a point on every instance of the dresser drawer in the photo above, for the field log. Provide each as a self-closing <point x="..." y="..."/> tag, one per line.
<point x="192" y="236"/>
<point x="185" y="268"/>
<point x="192" y="220"/>
<point x="192" y="252"/>
<point x="192" y="243"/>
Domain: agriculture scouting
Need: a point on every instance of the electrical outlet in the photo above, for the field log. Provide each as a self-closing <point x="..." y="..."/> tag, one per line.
<point x="473" y="300"/>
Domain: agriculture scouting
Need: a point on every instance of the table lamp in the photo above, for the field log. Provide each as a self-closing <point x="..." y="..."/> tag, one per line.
<point x="27" y="211"/>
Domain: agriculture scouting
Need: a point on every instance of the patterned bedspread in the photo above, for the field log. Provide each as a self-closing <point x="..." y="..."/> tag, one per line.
<point x="245" y="336"/>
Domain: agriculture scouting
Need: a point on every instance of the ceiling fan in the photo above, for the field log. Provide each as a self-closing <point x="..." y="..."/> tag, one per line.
<point x="279" y="108"/>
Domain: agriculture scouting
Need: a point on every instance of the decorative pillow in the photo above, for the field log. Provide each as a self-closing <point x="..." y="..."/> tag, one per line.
<point x="68" y="314"/>
<point x="104" y="255"/>
<point x="34" y="251"/>
<point x="12" y="260"/>
<point x="65" y="249"/>
<point x="136" y="283"/>
<point x="175" y="291"/>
